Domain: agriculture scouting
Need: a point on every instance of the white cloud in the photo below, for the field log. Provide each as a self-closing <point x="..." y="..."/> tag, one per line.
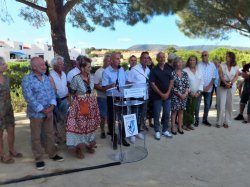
<point x="124" y="39"/>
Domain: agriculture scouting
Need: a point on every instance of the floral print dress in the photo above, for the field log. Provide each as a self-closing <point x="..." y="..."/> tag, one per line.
<point x="181" y="84"/>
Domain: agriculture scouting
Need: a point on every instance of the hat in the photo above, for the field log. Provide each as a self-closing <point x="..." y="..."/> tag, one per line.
<point x="171" y="56"/>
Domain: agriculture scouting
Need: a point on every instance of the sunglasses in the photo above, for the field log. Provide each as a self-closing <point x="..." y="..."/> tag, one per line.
<point x="204" y="55"/>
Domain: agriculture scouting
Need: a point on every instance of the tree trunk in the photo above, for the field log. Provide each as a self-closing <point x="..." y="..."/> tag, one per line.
<point x="59" y="42"/>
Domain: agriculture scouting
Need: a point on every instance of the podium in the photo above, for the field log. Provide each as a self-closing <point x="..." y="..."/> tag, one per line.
<point x="129" y="110"/>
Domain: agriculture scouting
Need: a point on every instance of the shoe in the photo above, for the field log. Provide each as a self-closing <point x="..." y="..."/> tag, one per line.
<point x="190" y="127"/>
<point x="151" y="125"/>
<point x="40" y="165"/>
<point x="167" y="134"/>
<point x="239" y="117"/>
<point x="217" y="126"/>
<point x="157" y="136"/>
<point x="132" y="139"/>
<point x="207" y="123"/>
<point x="174" y="133"/>
<point x="225" y="125"/>
<point x="185" y="128"/>
<point x="103" y="135"/>
<point x="181" y="132"/>
<point x="16" y="154"/>
<point x="125" y="143"/>
<point x="140" y="136"/>
<point x="57" y="158"/>
<point x="196" y="123"/>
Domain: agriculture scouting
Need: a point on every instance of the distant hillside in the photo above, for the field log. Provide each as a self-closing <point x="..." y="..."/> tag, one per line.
<point x="158" y="47"/>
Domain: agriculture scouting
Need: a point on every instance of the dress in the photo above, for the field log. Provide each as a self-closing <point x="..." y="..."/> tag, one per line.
<point x="6" y="111"/>
<point x="181" y="84"/>
<point x="80" y="128"/>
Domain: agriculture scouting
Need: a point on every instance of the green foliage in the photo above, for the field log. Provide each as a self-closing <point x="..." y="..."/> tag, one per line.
<point x="16" y="72"/>
<point x="124" y="65"/>
<point x="17" y="100"/>
<point x="186" y="54"/>
<point x="215" y="19"/>
<point x="170" y="50"/>
<point x="94" y="68"/>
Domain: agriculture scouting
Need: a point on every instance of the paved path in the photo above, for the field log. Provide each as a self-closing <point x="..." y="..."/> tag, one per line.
<point x="202" y="158"/>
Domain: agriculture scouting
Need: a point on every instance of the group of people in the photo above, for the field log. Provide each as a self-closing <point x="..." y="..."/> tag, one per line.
<point x="65" y="109"/>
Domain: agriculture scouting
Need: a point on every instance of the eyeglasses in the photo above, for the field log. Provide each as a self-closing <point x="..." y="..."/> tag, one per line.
<point x="204" y="55"/>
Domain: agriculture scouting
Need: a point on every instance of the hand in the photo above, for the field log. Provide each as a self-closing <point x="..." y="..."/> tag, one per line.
<point x="164" y="96"/>
<point x="206" y="88"/>
<point x="244" y="75"/>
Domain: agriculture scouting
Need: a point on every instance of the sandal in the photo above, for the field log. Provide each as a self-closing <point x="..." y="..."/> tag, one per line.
<point x="245" y="121"/>
<point x="79" y="153"/>
<point x="7" y="160"/>
<point x="16" y="154"/>
<point x="225" y="126"/>
<point x="217" y="126"/>
<point x="91" y="150"/>
<point x="185" y="128"/>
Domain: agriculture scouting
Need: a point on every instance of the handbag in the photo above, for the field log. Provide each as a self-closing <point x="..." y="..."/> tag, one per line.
<point x="84" y="107"/>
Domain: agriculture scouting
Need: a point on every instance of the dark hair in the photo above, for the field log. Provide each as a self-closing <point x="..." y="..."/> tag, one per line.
<point x="188" y="61"/>
<point x="83" y="61"/>
<point x="143" y="53"/>
<point x="232" y="58"/>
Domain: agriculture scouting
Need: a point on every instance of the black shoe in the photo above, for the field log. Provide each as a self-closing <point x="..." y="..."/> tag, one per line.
<point x="125" y="143"/>
<point x="57" y="158"/>
<point x="181" y="132"/>
<point x="108" y="133"/>
<point x="40" y="165"/>
<point x="174" y="133"/>
<point x="239" y="117"/>
<point x="103" y="135"/>
<point x="207" y="123"/>
<point x="196" y="124"/>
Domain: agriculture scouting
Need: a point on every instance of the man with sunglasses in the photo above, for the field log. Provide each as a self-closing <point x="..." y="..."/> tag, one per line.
<point x="208" y="71"/>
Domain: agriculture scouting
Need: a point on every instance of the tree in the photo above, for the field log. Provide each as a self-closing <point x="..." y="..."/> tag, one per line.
<point x="86" y="14"/>
<point x="215" y="18"/>
<point x="170" y="50"/>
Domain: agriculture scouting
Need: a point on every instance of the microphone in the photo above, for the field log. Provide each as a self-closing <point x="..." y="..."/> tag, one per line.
<point x="117" y="80"/>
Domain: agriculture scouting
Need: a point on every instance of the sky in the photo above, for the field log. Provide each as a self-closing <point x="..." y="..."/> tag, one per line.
<point x="160" y="30"/>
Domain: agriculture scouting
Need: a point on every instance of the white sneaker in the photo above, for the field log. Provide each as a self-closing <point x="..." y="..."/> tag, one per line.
<point x="157" y="136"/>
<point x="132" y="139"/>
<point x="140" y="136"/>
<point x="167" y="134"/>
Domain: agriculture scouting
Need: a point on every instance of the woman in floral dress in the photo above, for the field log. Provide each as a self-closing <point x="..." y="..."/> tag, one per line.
<point x="179" y="95"/>
<point x="84" y="116"/>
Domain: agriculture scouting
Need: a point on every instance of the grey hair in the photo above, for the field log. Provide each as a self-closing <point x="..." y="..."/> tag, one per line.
<point x="55" y="60"/>
<point x="2" y="59"/>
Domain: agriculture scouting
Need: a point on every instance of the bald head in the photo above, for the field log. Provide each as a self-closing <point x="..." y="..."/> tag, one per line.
<point x="38" y="65"/>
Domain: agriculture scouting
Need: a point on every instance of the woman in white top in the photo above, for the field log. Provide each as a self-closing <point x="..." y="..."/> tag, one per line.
<point x="196" y="86"/>
<point x="227" y="85"/>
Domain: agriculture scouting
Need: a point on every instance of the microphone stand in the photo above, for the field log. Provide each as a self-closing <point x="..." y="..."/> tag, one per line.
<point x="117" y="80"/>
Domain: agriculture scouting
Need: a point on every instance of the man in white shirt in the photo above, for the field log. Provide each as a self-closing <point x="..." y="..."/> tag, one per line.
<point x="101" y="94"/>
<point x="60" y="80"/>
<point x="137" y="75"/>
<point x="208" y="70"/>
<point x="75" y="70"/>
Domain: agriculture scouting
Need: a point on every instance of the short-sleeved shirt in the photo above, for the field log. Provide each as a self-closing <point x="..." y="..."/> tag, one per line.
<point x="162" y="79"/>
<point x="110" y="75"/>
<point x="98" y="81"/>
<point x="138" y="75"/>
<point x="72" y="73"/>
<point x="208" y="71"/>
<point x="61" y="83"/>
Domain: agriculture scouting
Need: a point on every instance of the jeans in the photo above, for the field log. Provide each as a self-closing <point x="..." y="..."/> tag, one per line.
<point x="207" y="100"/>
<point x="166" y="105"/>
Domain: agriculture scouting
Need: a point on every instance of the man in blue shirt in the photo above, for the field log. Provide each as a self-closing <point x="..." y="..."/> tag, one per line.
<point x="114" y="76"/>
<point x="41" y="99"/>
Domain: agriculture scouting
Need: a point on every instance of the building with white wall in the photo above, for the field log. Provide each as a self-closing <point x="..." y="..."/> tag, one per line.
<point x="16" y="51"/>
